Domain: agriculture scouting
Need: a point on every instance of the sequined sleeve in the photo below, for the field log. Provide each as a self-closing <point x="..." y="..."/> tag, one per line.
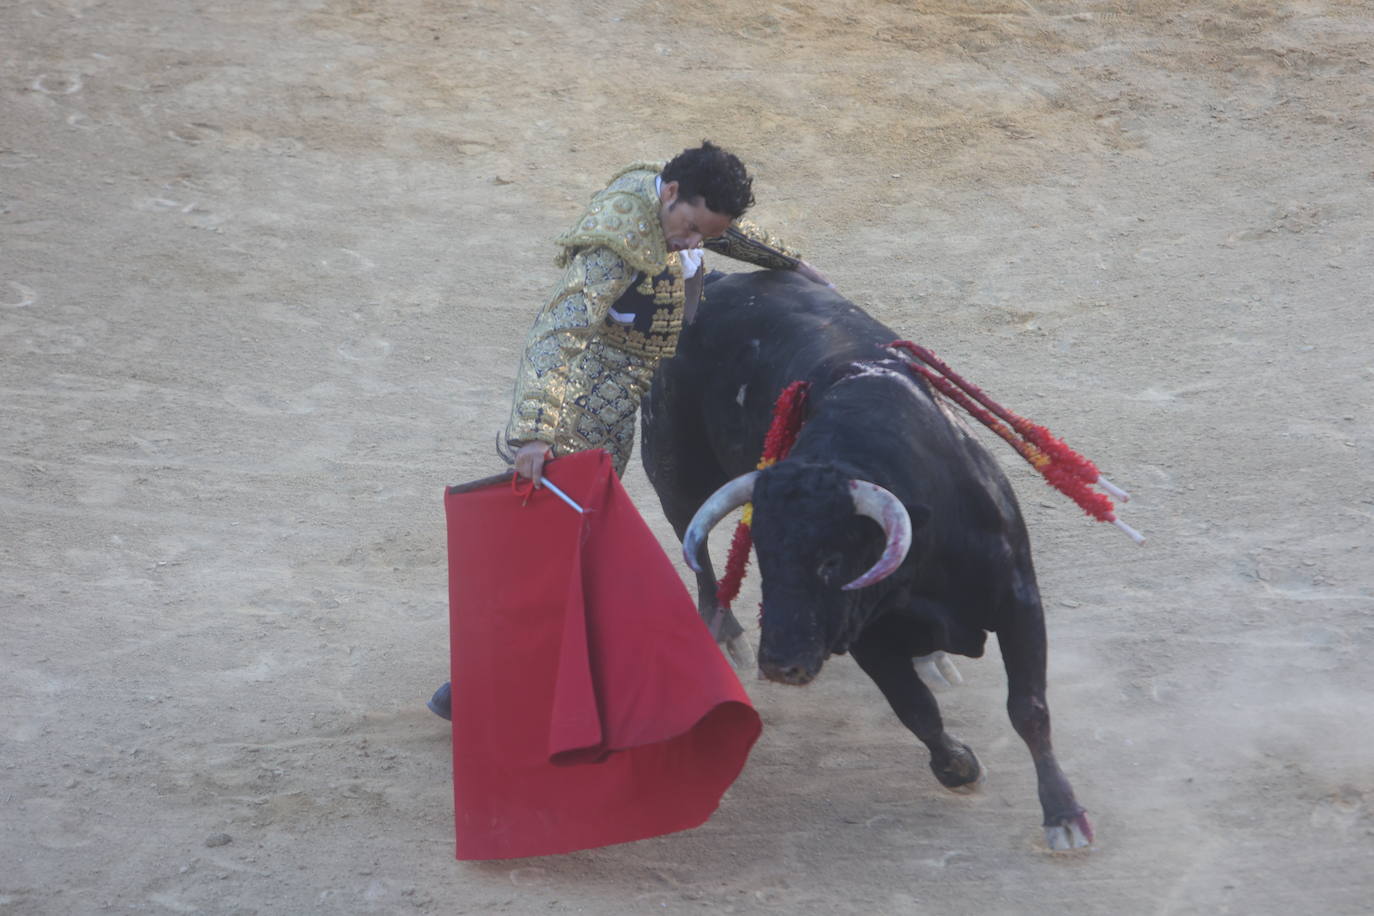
<point x="747" y="241"/>
<point x="592" y="281"/>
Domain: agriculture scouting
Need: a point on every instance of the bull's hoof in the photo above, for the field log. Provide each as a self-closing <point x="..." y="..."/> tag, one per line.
<point x="741" y="652"/>
<point x="960" y="771"/>
<point x="1075" y="833"/>
<point x="723" y="625"/>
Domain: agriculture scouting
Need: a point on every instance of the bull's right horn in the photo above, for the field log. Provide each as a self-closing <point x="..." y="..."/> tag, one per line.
<point x="887" y="510"/>
<point x="720" y="504"/>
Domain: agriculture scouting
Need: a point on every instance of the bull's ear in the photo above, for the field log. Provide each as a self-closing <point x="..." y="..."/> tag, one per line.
<point x="919" y="515"/>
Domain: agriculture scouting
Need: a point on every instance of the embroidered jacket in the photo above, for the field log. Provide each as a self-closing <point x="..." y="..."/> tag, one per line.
<point x="621" y="288"/>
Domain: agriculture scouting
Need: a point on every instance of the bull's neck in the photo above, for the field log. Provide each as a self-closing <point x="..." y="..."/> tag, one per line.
<point x="859" y="421"/>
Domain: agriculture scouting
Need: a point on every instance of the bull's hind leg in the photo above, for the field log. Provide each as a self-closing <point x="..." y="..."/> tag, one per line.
<point x="884" y="660"/>
<point x="1022" y="641"/>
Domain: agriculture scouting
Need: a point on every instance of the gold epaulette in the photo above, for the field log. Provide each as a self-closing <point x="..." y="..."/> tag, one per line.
<point x="623" y="218"/>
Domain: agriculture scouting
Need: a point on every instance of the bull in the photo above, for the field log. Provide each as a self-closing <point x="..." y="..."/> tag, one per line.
<point x="887" y="533"/>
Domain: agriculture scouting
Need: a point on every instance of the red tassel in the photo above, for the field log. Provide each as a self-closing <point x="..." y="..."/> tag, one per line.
<point x="789" y="412"/>
<point x="728" y="587"/>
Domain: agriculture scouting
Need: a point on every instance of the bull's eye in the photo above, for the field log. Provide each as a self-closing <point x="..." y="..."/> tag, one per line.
<point x="829" y="569"/>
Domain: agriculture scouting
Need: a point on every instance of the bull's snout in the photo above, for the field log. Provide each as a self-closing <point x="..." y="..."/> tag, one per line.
<point x="788" y="671"/>
<point x="791" y="647"/>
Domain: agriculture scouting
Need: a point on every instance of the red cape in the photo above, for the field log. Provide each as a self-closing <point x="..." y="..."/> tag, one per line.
<point x="590" y="704"/>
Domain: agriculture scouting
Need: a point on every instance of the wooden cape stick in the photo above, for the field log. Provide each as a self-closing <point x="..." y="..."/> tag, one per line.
<point x="494" y="479"/>
<point x="480" y="484"/>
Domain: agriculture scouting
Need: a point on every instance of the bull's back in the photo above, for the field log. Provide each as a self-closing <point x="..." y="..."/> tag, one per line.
<point x="754" y="334"/>
<point x="774" y="327"/>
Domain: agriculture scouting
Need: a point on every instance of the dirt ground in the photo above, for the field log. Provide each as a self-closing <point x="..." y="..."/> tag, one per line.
<point x="265" y="269"/>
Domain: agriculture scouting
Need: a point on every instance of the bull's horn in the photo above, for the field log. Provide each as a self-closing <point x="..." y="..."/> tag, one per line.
<point x="887" y="510"/>
<point x="721" y="503"/>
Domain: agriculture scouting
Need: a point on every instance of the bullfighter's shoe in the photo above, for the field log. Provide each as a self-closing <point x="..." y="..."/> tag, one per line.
<point x="441" y="703"/>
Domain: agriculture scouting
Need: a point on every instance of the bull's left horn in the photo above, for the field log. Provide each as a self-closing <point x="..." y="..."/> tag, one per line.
<point x="887" y="510"/>
<point x="720" y="504"/>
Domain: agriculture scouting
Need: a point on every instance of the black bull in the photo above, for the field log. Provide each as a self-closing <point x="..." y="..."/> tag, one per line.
<point x="968" y="570"/>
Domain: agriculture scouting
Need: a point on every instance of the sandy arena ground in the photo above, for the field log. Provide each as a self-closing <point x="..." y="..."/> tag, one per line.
<point x="265" y="269"/>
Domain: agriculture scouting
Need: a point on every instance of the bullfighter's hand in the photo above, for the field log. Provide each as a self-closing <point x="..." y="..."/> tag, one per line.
<point x="814" y="275"/>
<point x="530" y="458"/>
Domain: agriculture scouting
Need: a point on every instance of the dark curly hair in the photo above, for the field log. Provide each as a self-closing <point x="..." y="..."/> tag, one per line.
<point x="713" y="174"/>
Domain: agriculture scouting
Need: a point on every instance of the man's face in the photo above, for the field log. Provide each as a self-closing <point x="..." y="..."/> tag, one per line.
<point x="685" y="223"/>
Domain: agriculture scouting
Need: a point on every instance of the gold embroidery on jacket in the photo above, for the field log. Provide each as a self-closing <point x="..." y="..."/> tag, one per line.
<point x="745" y="240"/>
<point x="550" y="373"/>
<point x="660" y="341"/>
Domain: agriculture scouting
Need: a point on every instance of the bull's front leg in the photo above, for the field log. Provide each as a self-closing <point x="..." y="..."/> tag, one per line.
<point x="883" y="659"/>
<point x="1023" y="646"/>
<point x="721" y="621"/>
